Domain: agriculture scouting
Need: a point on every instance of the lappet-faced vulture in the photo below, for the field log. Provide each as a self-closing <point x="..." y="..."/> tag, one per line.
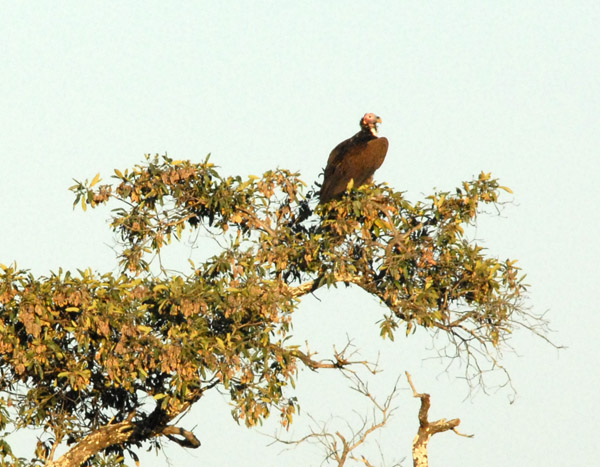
<point x="356" y="159"/>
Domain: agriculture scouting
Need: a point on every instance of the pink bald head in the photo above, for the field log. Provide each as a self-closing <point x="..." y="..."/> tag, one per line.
<point x="370" y="121"/>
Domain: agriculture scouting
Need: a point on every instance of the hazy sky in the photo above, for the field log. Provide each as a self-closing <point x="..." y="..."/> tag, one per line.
<point x="508" y="87"/>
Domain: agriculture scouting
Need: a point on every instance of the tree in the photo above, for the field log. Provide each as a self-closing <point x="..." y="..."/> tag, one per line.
<point x="106" y="363"/>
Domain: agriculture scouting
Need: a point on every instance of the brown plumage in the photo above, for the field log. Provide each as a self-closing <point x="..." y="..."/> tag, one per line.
<point x="356" y="159"/>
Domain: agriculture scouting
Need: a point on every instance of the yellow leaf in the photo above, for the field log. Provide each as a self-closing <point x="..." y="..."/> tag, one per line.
<point x="505" y="188"/>
<point x="350" y="184"/>
<point x="83" y="206"/>
<point x="118" y="173"/>
<point x="95" y="180"/>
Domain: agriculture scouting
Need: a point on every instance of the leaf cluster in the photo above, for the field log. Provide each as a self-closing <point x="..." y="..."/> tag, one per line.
<point x="83" y="350"/>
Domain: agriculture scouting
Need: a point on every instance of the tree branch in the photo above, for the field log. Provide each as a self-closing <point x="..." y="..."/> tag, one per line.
<point x="341" y="360"/>
<point x="188" y="441"/>
<point x="311" y="286"/>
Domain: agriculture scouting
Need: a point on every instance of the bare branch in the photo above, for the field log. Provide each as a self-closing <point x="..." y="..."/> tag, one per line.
<point x="342" y="447"/>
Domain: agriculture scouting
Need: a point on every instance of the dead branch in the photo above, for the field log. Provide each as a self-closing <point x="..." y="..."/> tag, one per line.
<point x="427" y="429"/>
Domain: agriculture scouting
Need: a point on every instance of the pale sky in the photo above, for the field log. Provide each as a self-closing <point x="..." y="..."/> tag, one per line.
<point x="507" y="87"/>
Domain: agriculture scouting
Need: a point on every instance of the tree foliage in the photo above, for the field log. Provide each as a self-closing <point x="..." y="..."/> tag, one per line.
<point x="87" y="356"/>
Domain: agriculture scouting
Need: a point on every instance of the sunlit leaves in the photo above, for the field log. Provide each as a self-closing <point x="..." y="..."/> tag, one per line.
<point x="85" y="348"/>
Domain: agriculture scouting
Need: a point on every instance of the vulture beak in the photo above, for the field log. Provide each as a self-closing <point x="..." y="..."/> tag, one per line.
<point x="374" y="127"/>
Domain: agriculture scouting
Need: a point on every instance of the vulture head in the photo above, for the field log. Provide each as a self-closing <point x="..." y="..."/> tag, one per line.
<point x="369" y="122"/>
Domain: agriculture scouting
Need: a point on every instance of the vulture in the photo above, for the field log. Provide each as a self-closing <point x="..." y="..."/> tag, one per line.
<point x="355" y="159"/>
